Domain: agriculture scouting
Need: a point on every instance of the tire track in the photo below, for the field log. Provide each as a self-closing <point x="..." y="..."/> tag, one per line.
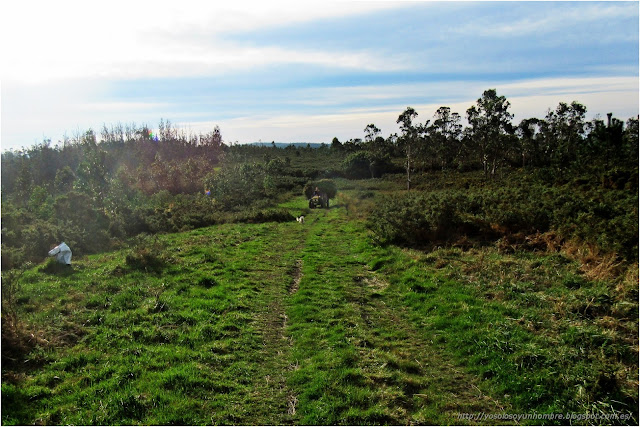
<point x="272" y="323"/>
<point x="405" y="366"/>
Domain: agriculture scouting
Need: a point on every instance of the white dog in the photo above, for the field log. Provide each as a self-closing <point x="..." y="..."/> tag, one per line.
<point x="300" y="219"/>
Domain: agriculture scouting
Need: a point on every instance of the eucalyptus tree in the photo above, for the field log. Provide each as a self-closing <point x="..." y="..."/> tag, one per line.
<point x="371" y="132"/>
<point x="409" y="138"/>
<point x="491" y="129"/>
<point x="564" y="133"/>
<point x="631" y="140"/>
<point x="378" y="150"/>
<point x="530" y="139"/>
<point x="336" y="145"/>
<point x="446" y="136"/>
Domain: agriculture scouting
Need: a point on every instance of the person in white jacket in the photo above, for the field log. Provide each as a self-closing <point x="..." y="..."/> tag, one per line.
<point x="62" y="252"/>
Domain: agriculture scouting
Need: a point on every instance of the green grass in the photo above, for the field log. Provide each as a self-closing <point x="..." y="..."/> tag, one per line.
<point x="182" y="346"/>
<point x="358" y="361"/>
<point x="288" y="323"/>
<point x="518" y="322"/>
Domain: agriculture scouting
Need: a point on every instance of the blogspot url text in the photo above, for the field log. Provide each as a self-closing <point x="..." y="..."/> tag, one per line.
<point x="481" y="416"/>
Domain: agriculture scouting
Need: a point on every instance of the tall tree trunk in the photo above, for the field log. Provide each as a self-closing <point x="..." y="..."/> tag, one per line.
<point x="485" y="167"/>
<point x="408" y="167"/>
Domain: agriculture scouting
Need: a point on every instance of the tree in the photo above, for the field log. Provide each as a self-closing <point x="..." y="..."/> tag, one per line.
<point x="44" y="163"/>
<point x="631" y="140"/>
<point x="371" y="132"/>
<point x="491" y="126"/>
<point x="92" y="175"/>
<point x="378" y="151"/>
<point x="166" y="132"/>
<point x="408" y="139"/>
<point x="352" y="145"/>
<point x="446" y="134"/>
<point x="604" y="142"/>
<point x="357" y="165"/>
<point x="64" y="180"/>
<point x="89" y="139"/>
<point x="529" y="133"/>
<point x="24" y="181"/>
<point x="564" y="132"/>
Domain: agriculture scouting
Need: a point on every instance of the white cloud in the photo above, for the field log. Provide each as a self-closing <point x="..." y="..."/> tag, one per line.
<point x="558" y="17"/>
<point x="31" y="113"/>
<point x="563" y="89"/>
<point x="68" y="39"/>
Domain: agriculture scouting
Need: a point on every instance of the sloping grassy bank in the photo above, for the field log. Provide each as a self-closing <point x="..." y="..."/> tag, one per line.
<point x="182" y="344"/>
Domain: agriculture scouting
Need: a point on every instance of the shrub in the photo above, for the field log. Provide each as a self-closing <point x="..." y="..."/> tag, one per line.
<point x="237" y="185"/>
<point x="513" y="209"/>
<point x="419" y="219"/>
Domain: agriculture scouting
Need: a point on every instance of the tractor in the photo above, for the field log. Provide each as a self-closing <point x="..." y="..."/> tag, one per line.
<point x="319" y="200"/>
<point x="318" y="193"/>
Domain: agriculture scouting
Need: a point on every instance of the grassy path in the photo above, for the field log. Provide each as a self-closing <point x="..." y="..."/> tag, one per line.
<point x="360" y="360"/>
<point x="244" y="324"/>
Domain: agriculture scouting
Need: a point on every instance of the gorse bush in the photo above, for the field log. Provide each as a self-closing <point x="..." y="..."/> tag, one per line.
<point x="416" y="219"/>
<point x="601" y="217"/>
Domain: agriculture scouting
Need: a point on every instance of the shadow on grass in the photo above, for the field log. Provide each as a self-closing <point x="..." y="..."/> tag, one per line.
<point x="54" y="268"/>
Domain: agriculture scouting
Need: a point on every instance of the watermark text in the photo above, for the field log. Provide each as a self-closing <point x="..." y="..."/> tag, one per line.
<point x="482" y="416"/>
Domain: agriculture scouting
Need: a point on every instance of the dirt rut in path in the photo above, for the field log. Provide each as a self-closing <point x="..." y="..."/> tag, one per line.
<point x="297" y="277"/>
<point x="271" y="322"/>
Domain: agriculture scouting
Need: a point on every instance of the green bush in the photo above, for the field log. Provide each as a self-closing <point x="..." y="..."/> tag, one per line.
<point x="421" y="219"/>
<point x="356" y="165"/>
<point x="605" y="218"/>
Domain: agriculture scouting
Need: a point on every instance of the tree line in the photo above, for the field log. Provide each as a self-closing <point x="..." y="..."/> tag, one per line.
<point x="491" y="141"/>
<point x="92" y="190"/>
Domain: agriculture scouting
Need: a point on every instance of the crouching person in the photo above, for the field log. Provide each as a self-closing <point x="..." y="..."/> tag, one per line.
<point x="62" y="252"/>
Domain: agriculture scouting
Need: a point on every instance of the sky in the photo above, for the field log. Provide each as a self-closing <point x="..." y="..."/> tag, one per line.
<point x="303" y="71"/>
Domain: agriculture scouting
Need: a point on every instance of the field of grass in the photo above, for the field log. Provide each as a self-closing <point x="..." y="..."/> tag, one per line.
<point x="288" y="323"/>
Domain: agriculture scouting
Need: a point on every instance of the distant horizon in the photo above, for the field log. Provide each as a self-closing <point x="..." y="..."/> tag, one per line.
<point x="286" y="144"/>
<point x="285" y="71"/>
